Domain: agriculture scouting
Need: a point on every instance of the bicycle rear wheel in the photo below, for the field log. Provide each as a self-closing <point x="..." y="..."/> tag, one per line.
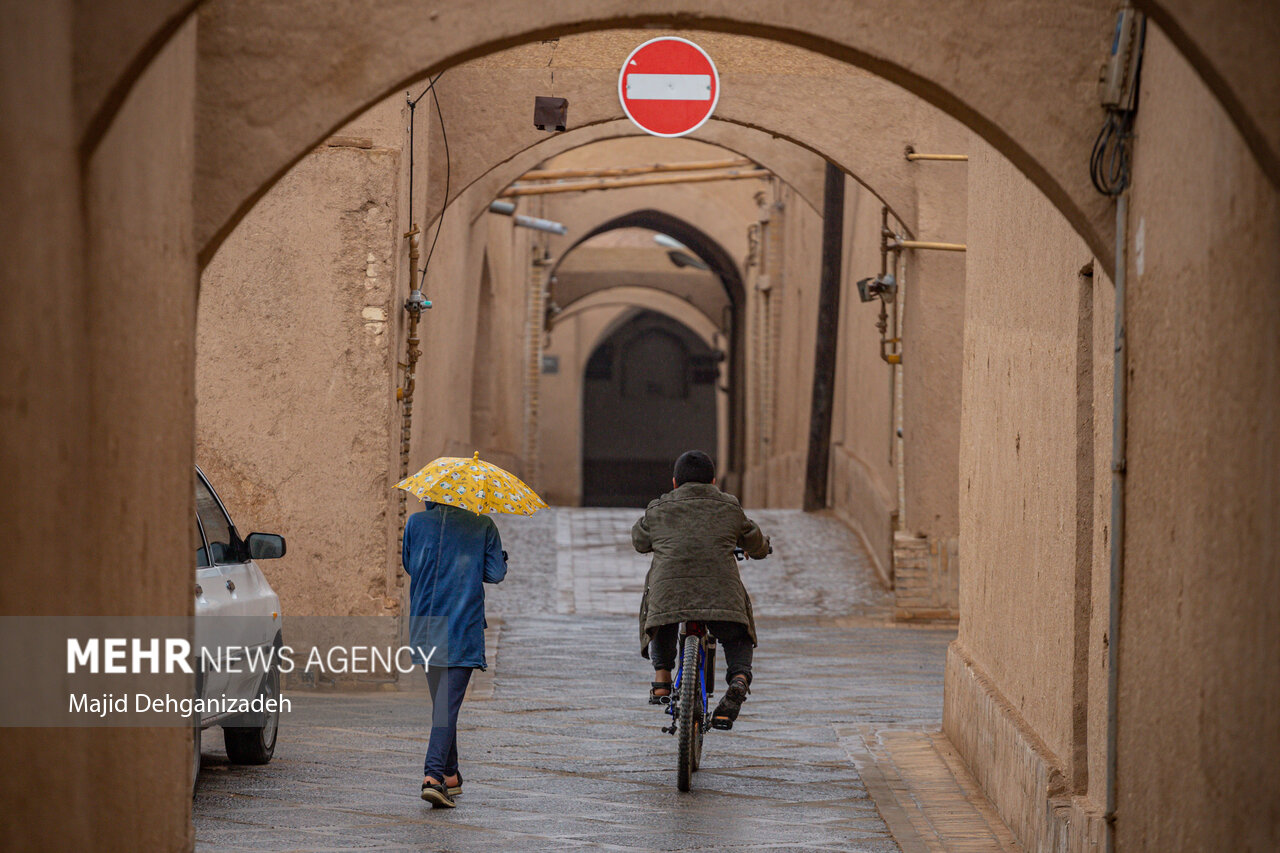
<point x="690" y="723"/>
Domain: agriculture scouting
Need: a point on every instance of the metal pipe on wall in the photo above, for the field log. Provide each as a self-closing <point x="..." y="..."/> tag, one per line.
<point x="1119" y="412"/>
<point x="896" y="244"/>
<point x="639" y="181"/>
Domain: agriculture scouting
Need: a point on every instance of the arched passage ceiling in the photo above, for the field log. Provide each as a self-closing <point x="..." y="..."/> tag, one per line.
<point x="721" y="211"/>
<point x="628" y="301"/>
<point x="984" y="68"/>
<point x="589" y="270"/>
<point x="800" y="168"/>
<point x="275" y="76"/>
<point x="832" y="108"/>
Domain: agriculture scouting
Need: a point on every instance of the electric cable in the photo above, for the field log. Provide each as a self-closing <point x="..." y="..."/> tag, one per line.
<point x="448" y="171"/>
<point x="1109" y="162"/>
<point x="413" y="105"/>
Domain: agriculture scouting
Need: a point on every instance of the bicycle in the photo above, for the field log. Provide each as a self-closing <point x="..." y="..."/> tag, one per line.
<point x="687" y="702"/>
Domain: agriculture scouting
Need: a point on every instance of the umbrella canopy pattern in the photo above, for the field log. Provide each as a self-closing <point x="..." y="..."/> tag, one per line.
<point x="474" y="485"/>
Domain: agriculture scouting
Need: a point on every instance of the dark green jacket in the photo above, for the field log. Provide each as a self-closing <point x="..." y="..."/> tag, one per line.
<point x="691" y="533"/>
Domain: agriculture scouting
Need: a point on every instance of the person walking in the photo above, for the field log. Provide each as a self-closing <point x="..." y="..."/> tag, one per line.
<point x="449" y="554"/>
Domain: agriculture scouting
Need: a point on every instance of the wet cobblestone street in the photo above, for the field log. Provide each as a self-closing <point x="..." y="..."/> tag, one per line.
<point x="560" y="751"/>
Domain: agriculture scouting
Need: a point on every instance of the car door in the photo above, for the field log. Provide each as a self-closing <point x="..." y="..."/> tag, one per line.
<point x="211" y="602"/>
<point x="247" y="616"/>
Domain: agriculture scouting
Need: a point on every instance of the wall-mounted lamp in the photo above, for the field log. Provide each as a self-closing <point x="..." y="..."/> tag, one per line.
<point x="508" y="208"/>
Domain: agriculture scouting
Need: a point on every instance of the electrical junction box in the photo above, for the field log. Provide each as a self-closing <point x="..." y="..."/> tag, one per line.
<point x="1117" y="82"/>
<point x="550" y="113"/>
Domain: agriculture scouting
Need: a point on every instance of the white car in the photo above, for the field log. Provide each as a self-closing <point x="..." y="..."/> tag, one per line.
<point x="236" y="610"/>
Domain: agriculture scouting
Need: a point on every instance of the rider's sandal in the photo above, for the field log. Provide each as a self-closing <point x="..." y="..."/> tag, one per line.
<point x="654" y="687"/>
<point x="727" y="711"/>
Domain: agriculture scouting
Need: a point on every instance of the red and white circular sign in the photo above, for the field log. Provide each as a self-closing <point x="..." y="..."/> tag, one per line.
<point x="669" y="86"/>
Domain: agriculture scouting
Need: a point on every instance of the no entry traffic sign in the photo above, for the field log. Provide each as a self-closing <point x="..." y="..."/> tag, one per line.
<point x="669" y="86"/>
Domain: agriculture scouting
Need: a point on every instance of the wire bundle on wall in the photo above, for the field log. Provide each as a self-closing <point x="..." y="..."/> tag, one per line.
<point x="448" y="164"/>
<point x="417" y="303"/>
<point x="1109" y="163"/>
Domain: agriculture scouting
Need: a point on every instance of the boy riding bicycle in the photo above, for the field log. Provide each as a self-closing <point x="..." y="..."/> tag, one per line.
<point x="692" y="533"/>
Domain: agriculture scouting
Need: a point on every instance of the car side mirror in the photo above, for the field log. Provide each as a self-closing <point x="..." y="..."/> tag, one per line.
<point x="265" y="546"/>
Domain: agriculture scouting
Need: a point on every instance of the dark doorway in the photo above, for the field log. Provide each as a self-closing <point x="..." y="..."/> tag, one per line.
<point x="649" y="394"/>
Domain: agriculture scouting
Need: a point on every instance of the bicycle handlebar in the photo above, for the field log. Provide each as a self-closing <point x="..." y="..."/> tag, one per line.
<point x="740" y="554"/>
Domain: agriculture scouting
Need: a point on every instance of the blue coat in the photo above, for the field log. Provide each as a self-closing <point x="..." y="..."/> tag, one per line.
<point x="450" y="553"/>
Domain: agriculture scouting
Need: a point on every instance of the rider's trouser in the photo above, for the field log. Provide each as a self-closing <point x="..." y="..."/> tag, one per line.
<point x="732" y="636"/>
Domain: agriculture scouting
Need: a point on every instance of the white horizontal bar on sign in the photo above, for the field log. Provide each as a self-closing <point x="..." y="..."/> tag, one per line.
<point x="669" y="87"/>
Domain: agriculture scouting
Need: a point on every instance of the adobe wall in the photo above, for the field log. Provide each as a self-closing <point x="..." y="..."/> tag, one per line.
<point x="1200" y="677"/>
<point x="96" y="418"/>
<point x="933" y="338"/>
<point x="776" y="478"/>
<point x="295" y="382"/>
<point x="1032" y="445"/>
<point x="863" y="489"/>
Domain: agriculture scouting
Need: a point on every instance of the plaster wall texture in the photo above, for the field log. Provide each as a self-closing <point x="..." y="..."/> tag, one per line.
<point x="470" y="380"/>
<point x="496" y="414"/>
<point x="778" y="480"/>
<point x="1200" y="677"/>
<point x="933" y="342"/>
<point x="1026" y="679"/>
<point x="442" y="399"/>
<point x="65" y="784"/>
<point x="864" y="484"/>
<point x="45" y="409"/>
<point x="296" y="412"/>
<point x="1099" y="609"/>
<point x="99" y="493"/>
<point x="1018" y="436"/>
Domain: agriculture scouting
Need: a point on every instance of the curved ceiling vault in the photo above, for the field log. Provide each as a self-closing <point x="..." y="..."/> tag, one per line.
<point x="256" y="55"/>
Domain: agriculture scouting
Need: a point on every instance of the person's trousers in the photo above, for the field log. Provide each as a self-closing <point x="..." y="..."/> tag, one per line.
<point x="732" y="636"/>
<point x="447" y="685"/>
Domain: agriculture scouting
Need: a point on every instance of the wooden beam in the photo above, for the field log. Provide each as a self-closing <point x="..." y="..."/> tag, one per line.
<point x="622" y="171"/>
<point x="640" y="181"/>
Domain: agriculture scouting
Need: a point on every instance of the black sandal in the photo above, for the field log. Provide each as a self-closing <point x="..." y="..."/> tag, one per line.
<point x="727" y="711"/>
<point x="654" y="687"/>
<point x="437" y="795"/>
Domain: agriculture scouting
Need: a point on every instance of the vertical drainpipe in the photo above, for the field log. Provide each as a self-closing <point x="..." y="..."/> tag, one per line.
<point x="826" y="345"/>
<point x="535" y="332"/>
<point x="1118" y="423"/>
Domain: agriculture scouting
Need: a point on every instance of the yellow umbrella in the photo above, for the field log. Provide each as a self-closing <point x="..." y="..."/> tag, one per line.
<point x="472" y="484"/>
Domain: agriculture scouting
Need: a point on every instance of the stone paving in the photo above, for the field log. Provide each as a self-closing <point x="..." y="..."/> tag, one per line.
<point x="559" y="750"/>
